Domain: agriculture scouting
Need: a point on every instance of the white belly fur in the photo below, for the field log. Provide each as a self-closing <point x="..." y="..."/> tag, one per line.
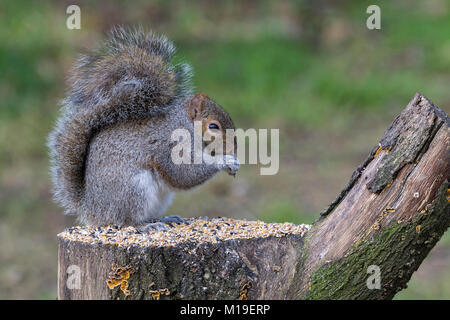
<point x="158" y="195"/>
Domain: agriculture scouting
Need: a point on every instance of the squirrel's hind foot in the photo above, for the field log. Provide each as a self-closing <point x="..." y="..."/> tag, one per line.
<point x="153" y="226"/>
<point x="162" y="224"/>
<point x="174" y="219"/>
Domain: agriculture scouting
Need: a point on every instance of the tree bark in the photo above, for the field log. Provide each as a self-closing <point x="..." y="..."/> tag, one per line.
<point x="381" y="227"/>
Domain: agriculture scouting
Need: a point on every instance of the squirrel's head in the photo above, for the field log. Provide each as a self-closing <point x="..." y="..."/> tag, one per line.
<point x="216" y="124"/>
<point x="215" y="121"/>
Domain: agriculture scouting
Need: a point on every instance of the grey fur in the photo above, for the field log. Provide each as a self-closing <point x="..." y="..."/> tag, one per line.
<point x="110" y="149"/>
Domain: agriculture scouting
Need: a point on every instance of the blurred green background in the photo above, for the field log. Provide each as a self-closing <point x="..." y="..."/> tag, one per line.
<point x="310" y="68"/>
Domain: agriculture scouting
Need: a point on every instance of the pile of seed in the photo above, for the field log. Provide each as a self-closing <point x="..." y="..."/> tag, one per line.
<point x="197" y="230"/>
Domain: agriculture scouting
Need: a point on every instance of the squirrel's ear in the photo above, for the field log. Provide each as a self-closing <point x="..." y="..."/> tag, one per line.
<point x="196" y="105"/>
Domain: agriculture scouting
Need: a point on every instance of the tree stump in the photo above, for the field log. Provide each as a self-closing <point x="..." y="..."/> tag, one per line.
<point x="381" y="227"/>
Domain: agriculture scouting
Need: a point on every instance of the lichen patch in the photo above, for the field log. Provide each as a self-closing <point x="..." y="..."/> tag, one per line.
<point x="119" y="277"/>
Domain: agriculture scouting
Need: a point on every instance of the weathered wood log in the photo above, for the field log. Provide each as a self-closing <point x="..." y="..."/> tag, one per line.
<point x="391" y="214"/>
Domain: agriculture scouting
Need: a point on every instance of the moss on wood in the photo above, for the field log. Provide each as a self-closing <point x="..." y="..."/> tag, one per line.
<point x="398" y="250"/>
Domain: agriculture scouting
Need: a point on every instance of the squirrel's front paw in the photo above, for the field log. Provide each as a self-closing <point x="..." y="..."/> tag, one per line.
<point x="231" y="165"/>
<point x="228" y="163"/>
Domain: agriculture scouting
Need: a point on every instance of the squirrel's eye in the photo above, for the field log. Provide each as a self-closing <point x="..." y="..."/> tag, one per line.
<point x="213" y="126"/>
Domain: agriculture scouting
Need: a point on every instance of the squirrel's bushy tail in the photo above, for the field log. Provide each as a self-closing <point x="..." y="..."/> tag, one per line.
<point x="132" y="75"/>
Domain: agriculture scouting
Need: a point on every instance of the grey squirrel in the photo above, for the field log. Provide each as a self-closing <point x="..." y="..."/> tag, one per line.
<point x="110" y="150"/>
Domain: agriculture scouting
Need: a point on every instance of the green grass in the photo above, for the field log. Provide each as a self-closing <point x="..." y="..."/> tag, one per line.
<point x="284" y="79"/>
<point x="284" y="210"/>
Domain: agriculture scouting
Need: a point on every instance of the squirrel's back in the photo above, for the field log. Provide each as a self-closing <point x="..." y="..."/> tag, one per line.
<point x="131" y="76"/>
